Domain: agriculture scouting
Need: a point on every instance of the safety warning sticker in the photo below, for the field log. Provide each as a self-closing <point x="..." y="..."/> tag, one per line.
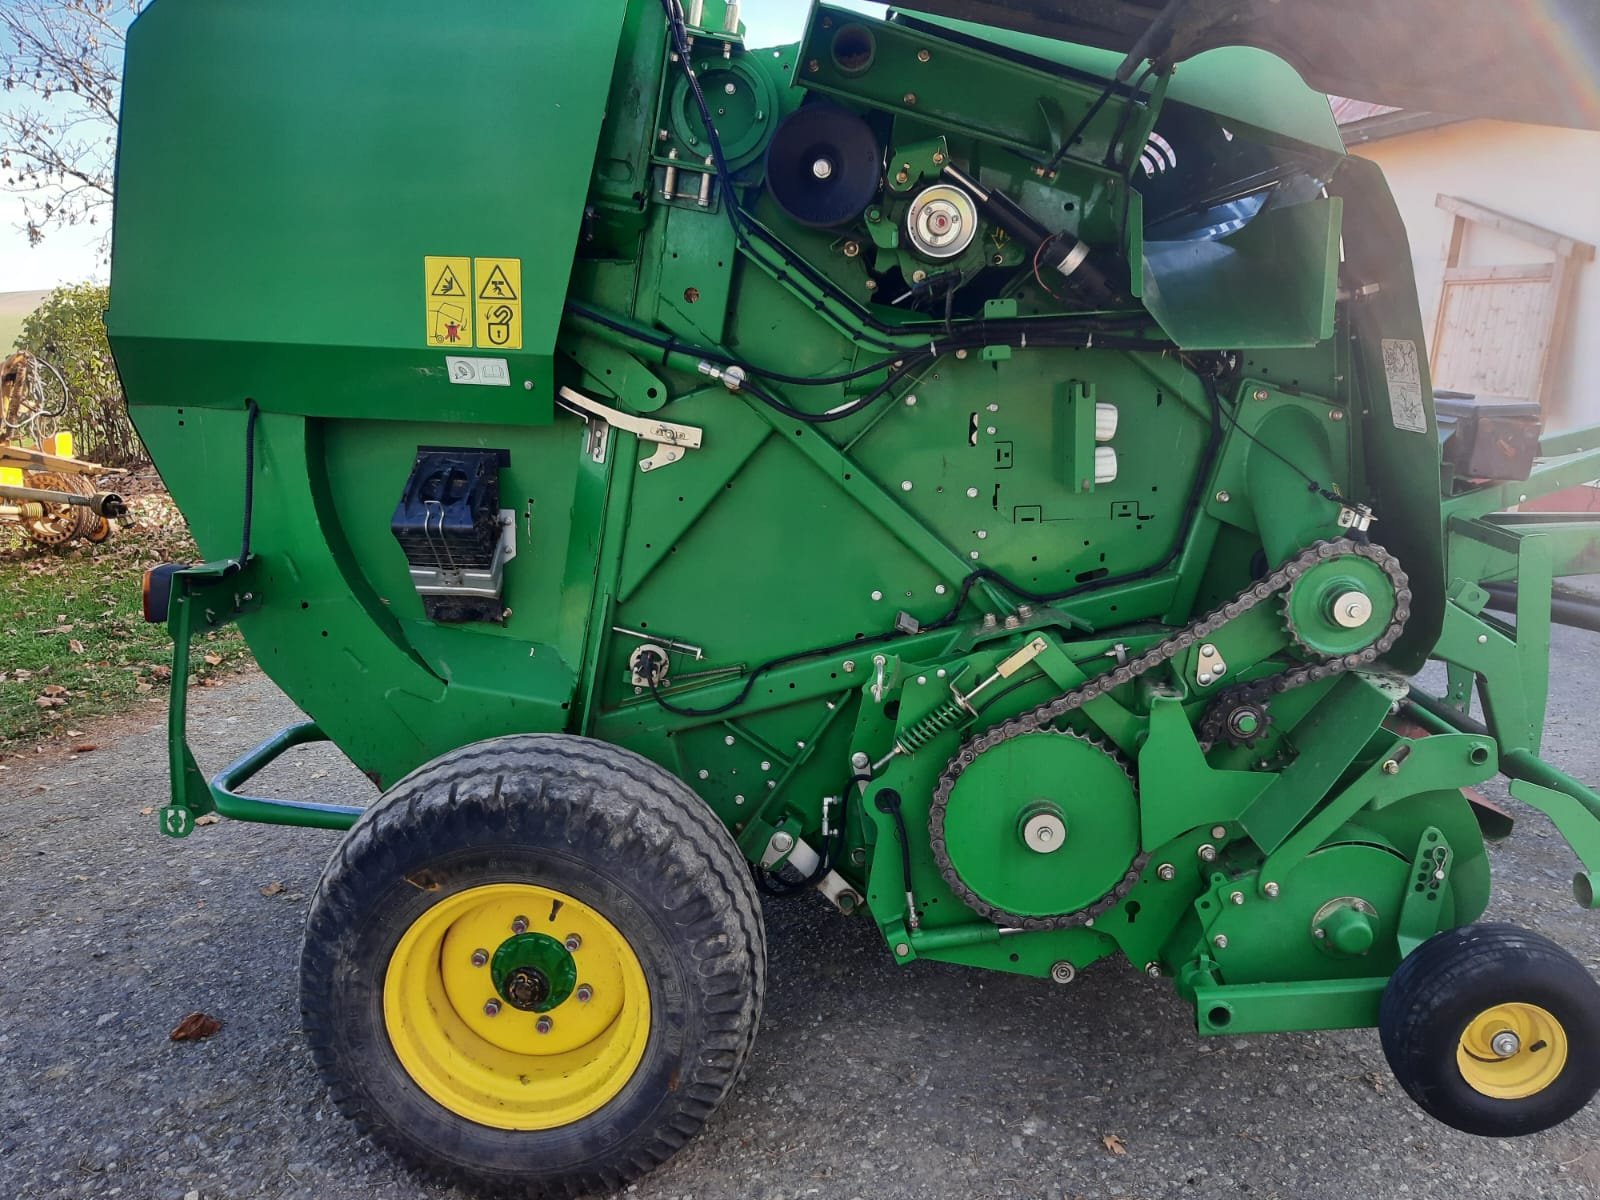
<point x="1404" y="372"/>
<point x="447" y="295"/>
<point x="499" y="302"/>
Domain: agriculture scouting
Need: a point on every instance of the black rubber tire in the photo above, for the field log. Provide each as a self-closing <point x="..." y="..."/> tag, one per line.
<point x="603" y="825"/>
<point x="1451" y="978"/>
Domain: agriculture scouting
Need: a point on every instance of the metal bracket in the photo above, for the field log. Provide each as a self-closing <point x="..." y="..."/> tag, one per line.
<point x="673" y="439"/>
<point x="1210" y="666"/>
<point x="1358" y="517"/>
<point x="1419" y="911"/>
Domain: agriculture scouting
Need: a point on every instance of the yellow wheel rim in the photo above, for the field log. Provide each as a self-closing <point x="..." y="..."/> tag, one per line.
<point x="489" y="1061"/>
<point x="1512" y="1051"/>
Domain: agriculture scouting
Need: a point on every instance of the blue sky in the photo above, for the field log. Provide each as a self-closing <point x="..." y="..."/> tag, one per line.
<point x="70" y="255"/>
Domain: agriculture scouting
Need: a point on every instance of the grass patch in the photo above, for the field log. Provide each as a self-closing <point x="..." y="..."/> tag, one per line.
<point x="73" y="640"/>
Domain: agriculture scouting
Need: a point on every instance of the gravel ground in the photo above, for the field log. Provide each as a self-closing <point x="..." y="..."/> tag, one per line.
<point x="867" y="1081"/>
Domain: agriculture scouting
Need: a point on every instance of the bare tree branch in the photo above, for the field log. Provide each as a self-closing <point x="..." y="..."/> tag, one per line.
<point x="61" y="71"/>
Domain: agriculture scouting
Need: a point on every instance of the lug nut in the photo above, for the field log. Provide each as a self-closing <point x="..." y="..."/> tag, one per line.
<point x="519" y="925"/>
<point x="491" y="1008"/>
<point x="585" y="993"/>
<point x="480" y="958"/>
<point x="545" y="1025"/>
<point x="572" y="943"/>
<point x="1505" y="1044"/>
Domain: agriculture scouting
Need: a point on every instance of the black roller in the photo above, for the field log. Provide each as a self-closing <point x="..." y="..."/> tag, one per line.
<point x="824" y="165"/>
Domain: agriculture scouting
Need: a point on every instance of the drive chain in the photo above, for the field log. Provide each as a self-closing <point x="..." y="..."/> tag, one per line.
<point x="1277" y="583"/>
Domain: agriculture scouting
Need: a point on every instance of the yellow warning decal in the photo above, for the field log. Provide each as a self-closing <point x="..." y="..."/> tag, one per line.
<point x="448" y="301"/>
<point x="498" y="288"/>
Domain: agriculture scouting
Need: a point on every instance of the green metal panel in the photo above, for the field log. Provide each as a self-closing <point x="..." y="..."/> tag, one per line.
<point x="276" y="247"/>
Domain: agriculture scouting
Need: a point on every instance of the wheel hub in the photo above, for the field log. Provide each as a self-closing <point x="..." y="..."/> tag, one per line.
<point x="533" y="972"/>
<point x="532" y="1036"/>
<point x="1512" y="1051"/>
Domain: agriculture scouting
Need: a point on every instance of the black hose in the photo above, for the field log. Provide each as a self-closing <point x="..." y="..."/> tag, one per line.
<point x="1566" y="607"/>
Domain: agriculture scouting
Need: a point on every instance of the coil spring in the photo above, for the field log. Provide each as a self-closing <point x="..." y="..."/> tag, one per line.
<point x="947" y="716"/>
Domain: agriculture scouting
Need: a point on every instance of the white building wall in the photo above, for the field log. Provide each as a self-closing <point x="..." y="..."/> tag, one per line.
<point x="1545" y="176"/>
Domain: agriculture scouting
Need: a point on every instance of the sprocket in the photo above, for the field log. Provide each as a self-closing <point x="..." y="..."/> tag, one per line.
<point x="1042" y="832"/>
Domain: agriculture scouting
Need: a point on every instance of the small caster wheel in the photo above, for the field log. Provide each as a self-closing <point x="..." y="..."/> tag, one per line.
<point x="1493" y="1030"/>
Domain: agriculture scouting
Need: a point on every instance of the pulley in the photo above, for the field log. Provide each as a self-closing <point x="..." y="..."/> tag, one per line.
<point x="824" y="165"/>
<point x="942" y="221"/>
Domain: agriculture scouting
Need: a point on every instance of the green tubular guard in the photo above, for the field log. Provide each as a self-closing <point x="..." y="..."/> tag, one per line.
<point x="209" y="596"/>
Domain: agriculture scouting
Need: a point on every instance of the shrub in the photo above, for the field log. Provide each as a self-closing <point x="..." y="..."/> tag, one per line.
<point x="68" y="331"/>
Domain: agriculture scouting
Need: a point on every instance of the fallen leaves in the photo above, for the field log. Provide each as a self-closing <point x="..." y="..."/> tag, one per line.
<point x="1114" y="1144"/>
<point x="272" y="889"/>
<point x="85" y="748"/>
<point x="52" y="696"/>
<point x="75" y="645"/>
<point x="207" y="819"/>
<point x="214" y="660"/>
<point x="197" y="1026"/>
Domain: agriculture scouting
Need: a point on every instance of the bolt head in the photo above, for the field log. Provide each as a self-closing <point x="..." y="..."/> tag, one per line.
<point x="1271" y="891"/>
<point x="1505" y="1044"/>
<point x="544" y="1025"/>
<point x="1220" y="941"/>
<point x="1167" y="872"/>
<point x="902" y="949"/>
<point x="923" y="56"/>
<point x="849" y="666"/>
<point x="519" y="925"/>
<point x="783" y="842"/>
<point x="1236" y="897"/>
<point x="1223" y="497"/>
<point x="491" y="1008"/>
<point x="1391" y="767"/>
<point x="1063" y="972"/>
<point x="480" y="958"/>
<point x="728" y="88"/>
<point x="852" y="249"/>
<point x="1207" y="853"/>
<point x="1261" y="394"/>
<point x="909" y="98"/>
<point x="573" y="943"/>
<point x="585" y="993"/>
<point x="1219" y="832"/>
<point x="1153" y="969"/>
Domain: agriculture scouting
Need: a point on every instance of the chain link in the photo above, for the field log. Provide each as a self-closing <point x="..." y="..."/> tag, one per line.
<point x="1277" y="583"/>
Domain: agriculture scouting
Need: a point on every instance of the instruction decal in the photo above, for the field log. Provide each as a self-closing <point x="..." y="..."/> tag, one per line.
<point x="1404" y="372"/>
<point x="499" y="303"/>
<point x="447" y="297"/>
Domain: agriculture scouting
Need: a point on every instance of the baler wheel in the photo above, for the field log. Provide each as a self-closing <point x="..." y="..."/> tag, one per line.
<point x="1493" y="1030"/>
<point x="534" y="967"/>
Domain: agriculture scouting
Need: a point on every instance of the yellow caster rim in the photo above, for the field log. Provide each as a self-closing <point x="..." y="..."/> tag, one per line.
<point x="1512" y="1051"/>
<point x="517" y="1006"/>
